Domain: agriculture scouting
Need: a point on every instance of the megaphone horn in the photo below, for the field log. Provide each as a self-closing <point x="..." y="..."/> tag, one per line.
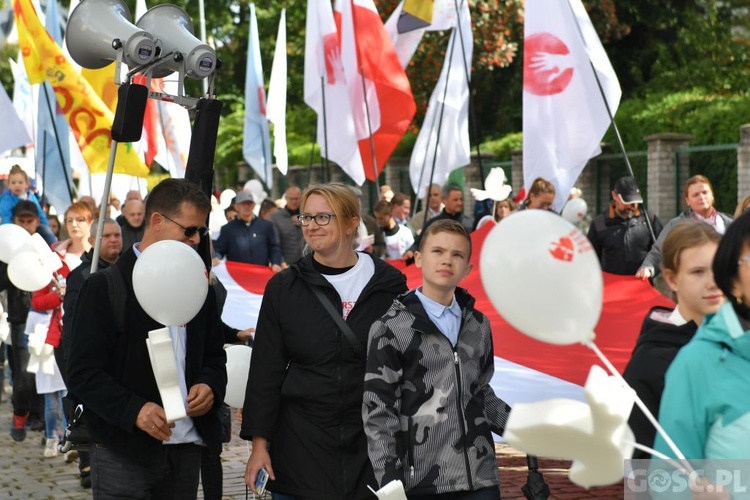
<point x="172" y="27"/>
<point x="93" y="29"/>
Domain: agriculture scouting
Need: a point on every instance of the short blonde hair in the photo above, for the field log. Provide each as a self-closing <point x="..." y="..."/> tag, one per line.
<point x="343" y="202"/>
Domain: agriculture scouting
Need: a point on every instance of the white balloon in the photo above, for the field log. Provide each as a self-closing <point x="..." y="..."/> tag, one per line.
<point x="543" y="277"/>
<point x="170" y="282"/>
<point x="12" y="238"/>
<point x="238" y="366"/>
<point x="575" y="210"/>
<point x="29" y="272"/>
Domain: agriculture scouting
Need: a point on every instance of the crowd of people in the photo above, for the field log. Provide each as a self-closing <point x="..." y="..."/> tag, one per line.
<point x="367" y="382"/>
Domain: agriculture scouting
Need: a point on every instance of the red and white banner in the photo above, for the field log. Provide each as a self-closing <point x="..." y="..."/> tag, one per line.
<point x="526" y="369"/>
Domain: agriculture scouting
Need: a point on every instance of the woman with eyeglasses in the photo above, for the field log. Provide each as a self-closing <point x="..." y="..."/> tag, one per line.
<point x="77" y="222"/>
<point x="705" y="408"/>
<point x="304" y="395"/>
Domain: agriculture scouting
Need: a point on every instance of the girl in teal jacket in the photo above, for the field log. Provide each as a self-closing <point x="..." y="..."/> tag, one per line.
<point x="705" y="408"/>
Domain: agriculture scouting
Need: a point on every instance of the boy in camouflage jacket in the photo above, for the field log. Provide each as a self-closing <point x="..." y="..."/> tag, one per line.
<point x="428" y="407"/>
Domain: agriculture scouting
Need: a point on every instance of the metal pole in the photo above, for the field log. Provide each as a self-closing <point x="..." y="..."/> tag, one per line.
<point x="103" y="206"/>
<point x="202" y="18"/>
<point x="612" y="120"/>
<point x="57" y="141"/>
<point x="440" y="121"/>
<point x="472" y="108"/>
<point x="324" y="167"/>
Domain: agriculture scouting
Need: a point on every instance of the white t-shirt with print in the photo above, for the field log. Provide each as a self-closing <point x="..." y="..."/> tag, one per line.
<point x="350" y="284"/>
<point x="397" y="244"/>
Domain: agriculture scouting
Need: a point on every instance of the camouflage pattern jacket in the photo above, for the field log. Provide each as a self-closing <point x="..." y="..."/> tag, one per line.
<point x="428" y="407"/>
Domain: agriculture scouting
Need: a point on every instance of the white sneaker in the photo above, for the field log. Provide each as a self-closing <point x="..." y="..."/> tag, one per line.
<point x="50" y="448"/>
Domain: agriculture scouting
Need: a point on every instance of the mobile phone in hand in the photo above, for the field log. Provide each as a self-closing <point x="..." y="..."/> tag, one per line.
<point x="260" y="481"/>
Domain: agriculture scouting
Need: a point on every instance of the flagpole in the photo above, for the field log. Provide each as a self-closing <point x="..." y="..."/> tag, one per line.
<point x="57" y="141"/>
<point x="611" y="118"/>
<point x="325" y="128"/>
<point x="421" y="172"/>
<point x="472" y="108"/>
<point x="312" y="153"/>
<point x="202" y="20"/>
<point x="103" y="206"/>
<point x="440" y="121"/>
<point x="369" y="128"/>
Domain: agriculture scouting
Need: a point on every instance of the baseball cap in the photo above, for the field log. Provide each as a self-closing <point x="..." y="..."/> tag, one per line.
<point x="244" y="196"/>
<point x="628" y="190"/>
<point x="25" y="207"/>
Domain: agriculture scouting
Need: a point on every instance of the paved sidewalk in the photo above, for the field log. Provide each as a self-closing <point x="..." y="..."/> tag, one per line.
<point x="27" y="475"/>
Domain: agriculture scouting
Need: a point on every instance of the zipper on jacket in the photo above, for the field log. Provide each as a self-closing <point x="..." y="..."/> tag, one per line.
<point x="461" y="420"/>
<point x="410" y="451"/>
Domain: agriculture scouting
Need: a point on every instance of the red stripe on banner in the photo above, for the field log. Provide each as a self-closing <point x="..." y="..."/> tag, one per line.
<point x="251" y="277"/>
<point x="626" y="302"/>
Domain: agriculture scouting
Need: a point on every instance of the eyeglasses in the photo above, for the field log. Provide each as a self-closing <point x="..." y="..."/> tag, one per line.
<point x="320" y="219"/>
<point x="189" y="231"/>
<point x="745" y="259"/>
<point x="79" y="220"/>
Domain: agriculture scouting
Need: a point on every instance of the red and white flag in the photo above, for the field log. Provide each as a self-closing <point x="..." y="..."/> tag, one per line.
<point x="379" y="91"/>
<point x="326" y="91"/>
<point x="526" y="370"/>
<point x="564" y="113"/>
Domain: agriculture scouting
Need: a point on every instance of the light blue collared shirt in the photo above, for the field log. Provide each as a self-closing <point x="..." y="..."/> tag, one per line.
<point x="446" y="318"/>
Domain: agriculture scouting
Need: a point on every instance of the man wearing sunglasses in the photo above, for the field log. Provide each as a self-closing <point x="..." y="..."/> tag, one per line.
<point x="248" y="238"/>
<point x="137" y="453"/>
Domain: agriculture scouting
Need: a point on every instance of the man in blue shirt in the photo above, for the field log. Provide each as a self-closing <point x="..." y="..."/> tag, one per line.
<point x="248" y="238"/>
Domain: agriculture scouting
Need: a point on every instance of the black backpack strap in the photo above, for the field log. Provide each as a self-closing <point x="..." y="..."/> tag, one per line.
<point x="118" y="294"/>
<point x="339" y="320"/>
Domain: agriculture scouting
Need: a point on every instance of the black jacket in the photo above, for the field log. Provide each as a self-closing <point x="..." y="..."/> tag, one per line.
<point x="19" y="302"/>
<point x="304" y="391"/>
<point x="111" y="373"/>
<point x="622" y="244"/>
<point x="654" y="351"/>
<point x="73" y="286"/>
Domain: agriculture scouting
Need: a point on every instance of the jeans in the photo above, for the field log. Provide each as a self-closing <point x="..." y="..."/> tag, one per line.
<point x="172" y="474"/>
<point x="54" y="415"/>
<point x="24" y="385"/>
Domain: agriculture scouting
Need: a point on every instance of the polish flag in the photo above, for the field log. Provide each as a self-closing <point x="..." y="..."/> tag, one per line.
<point x="526" y="370"/>
<point x="326" y="91"/>
<point x="379" y="91"/>
<point x="564" y="112"/>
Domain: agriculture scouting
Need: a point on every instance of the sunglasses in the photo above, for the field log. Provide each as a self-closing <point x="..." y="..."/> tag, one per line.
<point x="189" y="231"/>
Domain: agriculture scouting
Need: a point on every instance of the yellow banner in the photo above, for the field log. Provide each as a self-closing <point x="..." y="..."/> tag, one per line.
<point x="103" y="82"/>
<point x="88" y="117"/>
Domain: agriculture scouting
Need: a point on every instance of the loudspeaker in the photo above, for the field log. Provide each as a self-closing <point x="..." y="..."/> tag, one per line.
<point x="173" y="29"/>
<point x="93" y="27"/>
<point x="131" y="107"/>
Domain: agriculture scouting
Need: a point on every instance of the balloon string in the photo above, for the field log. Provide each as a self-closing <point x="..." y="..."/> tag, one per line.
<point x="658" y="454"/>
<point x="591" y="345"/>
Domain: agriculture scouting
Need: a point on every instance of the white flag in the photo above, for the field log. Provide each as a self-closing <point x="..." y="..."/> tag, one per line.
<point x="564" y="113"/>
<point x="15" y="134"/>
<point x="448" y="113"/>
<point x="24" y="98"/>
<point x="276" y="109"/>
<point x="256" y="138"/>
<point x="325" y="83"/>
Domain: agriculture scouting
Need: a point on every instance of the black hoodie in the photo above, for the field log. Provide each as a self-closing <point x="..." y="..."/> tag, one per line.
<point x="656" y="347"/>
